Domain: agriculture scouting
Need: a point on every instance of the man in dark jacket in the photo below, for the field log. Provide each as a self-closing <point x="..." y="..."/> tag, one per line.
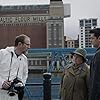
<point x="95" y="66"/>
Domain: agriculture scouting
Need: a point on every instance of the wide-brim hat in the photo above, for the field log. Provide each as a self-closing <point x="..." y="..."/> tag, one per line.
<point x="81" y="52"/>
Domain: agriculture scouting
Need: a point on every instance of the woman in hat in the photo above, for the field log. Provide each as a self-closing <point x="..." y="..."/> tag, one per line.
<point x="75" y="79"/>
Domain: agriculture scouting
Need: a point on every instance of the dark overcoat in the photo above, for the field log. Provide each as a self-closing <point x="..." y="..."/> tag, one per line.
<point x="95" y="76"/>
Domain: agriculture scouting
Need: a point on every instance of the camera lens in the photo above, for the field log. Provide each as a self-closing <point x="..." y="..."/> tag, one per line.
<point x="12" y="93"/>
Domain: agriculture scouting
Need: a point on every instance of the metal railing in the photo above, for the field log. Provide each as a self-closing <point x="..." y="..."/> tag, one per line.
<point x="45" y="91"/>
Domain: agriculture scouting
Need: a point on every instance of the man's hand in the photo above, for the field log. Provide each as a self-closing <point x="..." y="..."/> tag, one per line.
<point x="6" y="85"/>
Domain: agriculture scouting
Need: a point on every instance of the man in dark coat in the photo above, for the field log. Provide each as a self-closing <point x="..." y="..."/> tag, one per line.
<point x="95" y="66"/>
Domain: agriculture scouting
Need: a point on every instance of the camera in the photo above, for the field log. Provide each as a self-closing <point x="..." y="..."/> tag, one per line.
<point x="16" y="86"/>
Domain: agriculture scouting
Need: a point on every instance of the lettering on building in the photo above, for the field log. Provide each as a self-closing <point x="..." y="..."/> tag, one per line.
<point x="23" y="19"/>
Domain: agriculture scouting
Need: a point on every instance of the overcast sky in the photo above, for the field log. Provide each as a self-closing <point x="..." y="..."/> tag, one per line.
<point x="79" y="9"/>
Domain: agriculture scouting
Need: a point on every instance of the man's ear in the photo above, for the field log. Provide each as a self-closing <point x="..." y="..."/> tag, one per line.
<point x="19" y="43"/>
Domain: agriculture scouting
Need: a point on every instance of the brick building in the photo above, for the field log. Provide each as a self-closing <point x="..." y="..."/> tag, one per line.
<point x="43" y="23"/>
<point x="30" y="20"/>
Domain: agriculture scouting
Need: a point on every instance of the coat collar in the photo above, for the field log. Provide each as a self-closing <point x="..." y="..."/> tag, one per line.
<point x="80" y="68"/>
<point x="71" y="71"/>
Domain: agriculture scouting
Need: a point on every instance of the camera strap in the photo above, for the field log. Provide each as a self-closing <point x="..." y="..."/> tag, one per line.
<point x="10" y="65"/>
<point x="17" y="72"/>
